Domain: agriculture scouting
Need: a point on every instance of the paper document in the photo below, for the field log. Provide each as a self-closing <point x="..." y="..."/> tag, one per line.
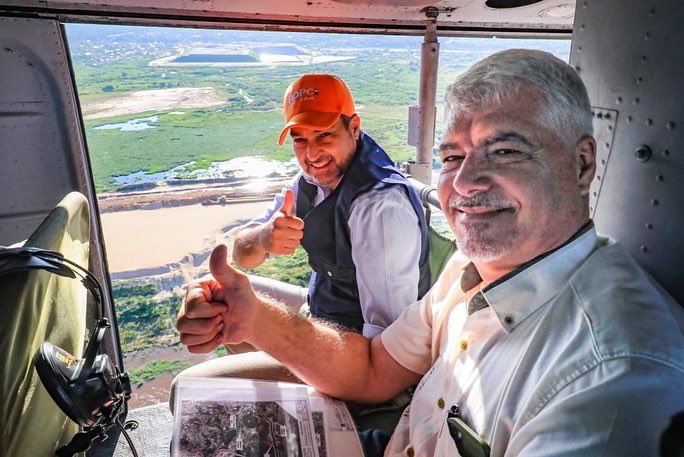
<point x="241" y="417"/>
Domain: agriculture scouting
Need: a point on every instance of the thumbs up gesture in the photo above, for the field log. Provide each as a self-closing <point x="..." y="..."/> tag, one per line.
<point x="282" y="234"/>
<point x="234" y="289"/>
<point x="217" y="309"/>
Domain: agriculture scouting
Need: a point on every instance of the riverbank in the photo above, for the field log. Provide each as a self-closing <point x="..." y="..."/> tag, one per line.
<point x="151" y="239"/>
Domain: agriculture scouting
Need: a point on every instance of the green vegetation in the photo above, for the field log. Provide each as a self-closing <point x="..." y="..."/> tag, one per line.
<point x="155" y="368"/>
<point x="144" y="319"/>
<point x="121" y="290"/>
<point x="292" y="269"/>
<point x="199" y="135"/>
<point x="237" y="128"/>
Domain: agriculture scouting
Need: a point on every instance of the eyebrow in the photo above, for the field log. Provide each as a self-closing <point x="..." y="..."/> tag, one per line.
<point x="448" y="146"/>
<point x="506" y="136"/>
<point x="293" y="134"/>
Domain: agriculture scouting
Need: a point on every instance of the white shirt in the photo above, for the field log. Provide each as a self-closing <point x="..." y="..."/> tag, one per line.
<point x="385" y="241"/>
<point x="580" y="353"/>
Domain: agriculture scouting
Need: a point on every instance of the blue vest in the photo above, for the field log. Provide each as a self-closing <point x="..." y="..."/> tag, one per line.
<point x="333" y="291"/>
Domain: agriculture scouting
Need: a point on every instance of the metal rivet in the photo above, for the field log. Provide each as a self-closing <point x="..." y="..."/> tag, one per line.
<point x="670" y="125"/>
<point x="329" y="273"/>
<point x="618" y="100"/>
<point x="629" y="118"/>
<point x="598" y="177"/>
<point x="643" y="59"/>
<point x="508" y="319"/>
<point x="660" y="178"/>
<point x="607" y="145"/>
<point x="643" y="248"/>
<point x="440" y="403"/>
<point x="464" y="345"/>
<point x="649" y="121"/>
<point x="594" y="194"/>
<point x="647" y="35"/>
<point x="643" y="153"/>
<point x="636" y="100"/>
<point x="639" y="79"/>
<point x="599" y="115"/>
<point x="666" y="152"/>
<point x="654" y="202"/>
<point x="603" y="161"/>
<point x="607" y="116"/>
<point x="649" y="225"/>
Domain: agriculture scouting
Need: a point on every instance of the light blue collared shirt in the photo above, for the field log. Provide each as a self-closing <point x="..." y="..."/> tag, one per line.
<point x="385" y="240"/>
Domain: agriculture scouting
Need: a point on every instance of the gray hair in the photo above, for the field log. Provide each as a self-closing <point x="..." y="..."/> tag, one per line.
<point x="503" y="75"/>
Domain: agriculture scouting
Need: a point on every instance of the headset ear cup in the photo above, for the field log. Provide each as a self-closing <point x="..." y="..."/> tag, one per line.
<point x="56" y="369"/>
<point x="87" y="401"/>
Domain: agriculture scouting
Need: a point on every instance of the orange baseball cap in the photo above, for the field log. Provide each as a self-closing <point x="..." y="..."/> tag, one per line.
<point x="316" y="101"/>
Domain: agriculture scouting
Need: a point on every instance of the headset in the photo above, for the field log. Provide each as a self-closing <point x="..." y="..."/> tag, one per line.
<point x="92" y="391"/>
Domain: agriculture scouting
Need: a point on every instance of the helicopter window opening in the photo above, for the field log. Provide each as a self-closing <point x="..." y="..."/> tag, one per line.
<point x="182" y="128"/>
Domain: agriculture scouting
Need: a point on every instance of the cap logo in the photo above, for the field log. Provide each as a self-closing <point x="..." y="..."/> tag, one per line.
<point x="301" y="95"/>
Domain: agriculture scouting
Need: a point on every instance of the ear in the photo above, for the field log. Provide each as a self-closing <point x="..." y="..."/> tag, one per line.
<point x="585" y="163"/>
<point x="355" y="126"/>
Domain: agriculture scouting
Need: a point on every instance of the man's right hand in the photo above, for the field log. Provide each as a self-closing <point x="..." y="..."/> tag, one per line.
<point x="282" y="234"/>
<point x="217" y="309"/>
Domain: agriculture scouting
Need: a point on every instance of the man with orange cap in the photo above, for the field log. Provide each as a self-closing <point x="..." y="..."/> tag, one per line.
<point x="354" y="213"/>
<point x="358" y="218"/>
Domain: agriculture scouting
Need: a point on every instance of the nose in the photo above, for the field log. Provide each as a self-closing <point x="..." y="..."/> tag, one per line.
<point x="472" y="176"/>
<point x="313" y="151"/>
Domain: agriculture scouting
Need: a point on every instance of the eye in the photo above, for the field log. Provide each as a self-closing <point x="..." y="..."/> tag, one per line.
<point x="451" y="158"/>
<point x="504" y="152"/>
<point x="298" y="140"/>
<point x="451" y="162"/>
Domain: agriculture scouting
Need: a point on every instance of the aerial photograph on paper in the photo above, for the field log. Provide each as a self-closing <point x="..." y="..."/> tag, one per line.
<point x="235" y="428"/>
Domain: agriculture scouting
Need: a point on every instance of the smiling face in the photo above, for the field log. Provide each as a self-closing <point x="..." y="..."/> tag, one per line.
<point x="324" y="155"/>
<point x="510" y="187"/>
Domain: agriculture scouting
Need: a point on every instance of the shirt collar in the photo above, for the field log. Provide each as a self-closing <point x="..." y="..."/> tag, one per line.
<point x="517" y="295"/>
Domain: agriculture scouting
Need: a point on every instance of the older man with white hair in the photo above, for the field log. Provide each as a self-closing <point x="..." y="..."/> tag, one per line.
<point x="540" y="337"/>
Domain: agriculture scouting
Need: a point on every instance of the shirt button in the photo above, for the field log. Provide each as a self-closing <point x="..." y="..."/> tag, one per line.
<point x="440" y="403"/>
<point x="410" y="452"/>
<point x="329" y="273"/>
<point x="464" y="345"/>
<point x="508" y="319"/>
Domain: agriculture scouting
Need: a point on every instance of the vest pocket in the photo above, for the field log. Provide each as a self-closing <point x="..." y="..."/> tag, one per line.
<point x="334" y="273"/>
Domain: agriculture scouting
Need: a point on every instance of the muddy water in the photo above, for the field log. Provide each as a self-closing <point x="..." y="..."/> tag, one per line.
<point x="157" y="390"/>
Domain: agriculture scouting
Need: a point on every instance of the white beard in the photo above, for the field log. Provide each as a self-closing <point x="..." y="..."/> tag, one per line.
<point x="478" y="247"/>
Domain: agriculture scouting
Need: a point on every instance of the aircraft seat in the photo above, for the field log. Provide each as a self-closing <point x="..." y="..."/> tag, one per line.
<point x="38" y="306"/>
